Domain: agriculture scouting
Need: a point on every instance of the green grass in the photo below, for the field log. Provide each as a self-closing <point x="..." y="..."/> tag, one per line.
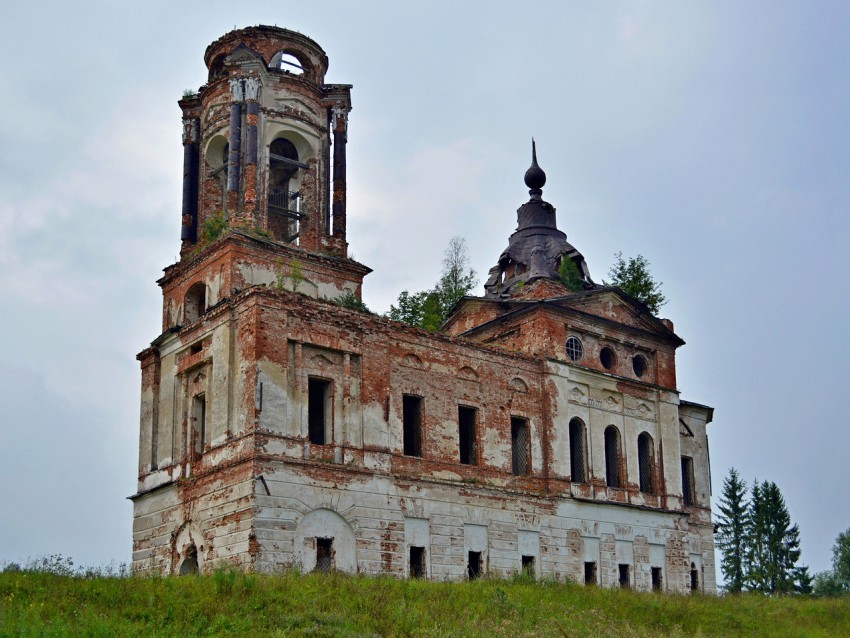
<point x="289" y="604"/>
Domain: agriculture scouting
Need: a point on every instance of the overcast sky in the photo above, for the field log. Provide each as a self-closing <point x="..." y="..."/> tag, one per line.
<point x="711" y="137"/>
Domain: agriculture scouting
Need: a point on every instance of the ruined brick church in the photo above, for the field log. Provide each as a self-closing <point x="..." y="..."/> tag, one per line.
<point x="539" y="430"/>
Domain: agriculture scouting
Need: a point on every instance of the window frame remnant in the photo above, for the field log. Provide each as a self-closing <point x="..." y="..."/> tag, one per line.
<point x="416" y="562"/>
<point x="467" y="426"/>
<point x="613" y="457"/>
<point x="520" y="446"/>
<point x="324" y="554"/>
<point x="318" y="409"/>
<point x="578" y="451"/>
<point x="646" y="463"/>
<point x="474" y="565"/>
<point x="411" y="415"/>
<point x="688" y="486"/>
<point x="575" y="348"/>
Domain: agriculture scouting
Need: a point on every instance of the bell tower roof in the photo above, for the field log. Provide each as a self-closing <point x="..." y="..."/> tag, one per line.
<point x="537" y="248"/>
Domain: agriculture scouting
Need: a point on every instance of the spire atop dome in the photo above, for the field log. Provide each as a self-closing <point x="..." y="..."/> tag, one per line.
<point x="535" y="178"/>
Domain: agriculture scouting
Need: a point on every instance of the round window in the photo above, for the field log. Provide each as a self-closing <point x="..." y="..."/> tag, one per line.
<point x="575" y="351"/>
<point x="639" y="365"/>
<point x="608" y="358"/>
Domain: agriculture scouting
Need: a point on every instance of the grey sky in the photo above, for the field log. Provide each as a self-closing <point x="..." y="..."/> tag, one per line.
<point x="712" y="137"/>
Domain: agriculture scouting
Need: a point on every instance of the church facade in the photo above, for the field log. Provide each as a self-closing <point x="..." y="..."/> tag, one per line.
<point x="540" y="430"/>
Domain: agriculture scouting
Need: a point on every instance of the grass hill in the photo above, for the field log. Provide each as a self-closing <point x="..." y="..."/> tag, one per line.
<point x="229" y="603"/>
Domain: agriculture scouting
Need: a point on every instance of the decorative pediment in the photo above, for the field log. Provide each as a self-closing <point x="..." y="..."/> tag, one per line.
<point x="243" y="55"/>
<point x="577" y="396"/>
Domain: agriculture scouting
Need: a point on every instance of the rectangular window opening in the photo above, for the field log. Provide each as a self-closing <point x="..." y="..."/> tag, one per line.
<point x="318" y="399"/>
<point x="473" y="569"/>
<point x="324" y="554"/>
<point x="411" y="408"/>
<point x="528" y="566"/>
<point x="520" y="447"/>
<point x="625" y="581"/>
<point x="657" y="583"/>
<point x="199" y="423"/>
<point x="688" y="480"/>
<point x="590" y="573"/>
<point x="466" y="418"/>
<point x="417" y="562"/>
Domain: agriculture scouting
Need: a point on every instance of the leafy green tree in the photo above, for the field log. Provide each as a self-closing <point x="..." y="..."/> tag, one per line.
<point x="633" y="278"/>
<point x="570" y="275"/>
<point x="732" y="531"/>
<point x="836" y="582"/>
<point x="773" y="544"/>
<point x="428" y="309"/>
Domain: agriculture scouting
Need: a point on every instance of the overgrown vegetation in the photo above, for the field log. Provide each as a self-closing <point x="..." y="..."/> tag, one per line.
<point x="428" y="309"/>
<point x="229" y="603"/>
<point x="351" y="301"/>
<point x="570" y="275"/>
<point x="633" y="277"/>
<point x="214" y="226"/>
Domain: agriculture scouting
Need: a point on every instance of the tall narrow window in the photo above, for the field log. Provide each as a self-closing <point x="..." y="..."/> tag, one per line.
<point x="324" y="554"/>
<point x="195" y="302"/>
<point x="411" y="408"/>
<point x="590" y="573"/>
<point x="417" y="562"/>
<point x="625" y="576"/>
<point x="473" y="566"/>
<point x="694" y="578"/>
<point x="318" y="404"/>
<point x="688" y="480"/>
<point x="199" y="424"/>
<point x="646" y="463"/>
<point x="657" y="583"/>
<point x="466" y="435"/>
<point x="612" y="457"/>
<point x="578" y="452"/>
<point x="520" y="447"/>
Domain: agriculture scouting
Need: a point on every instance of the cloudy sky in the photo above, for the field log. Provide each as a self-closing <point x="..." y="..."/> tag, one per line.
<point x="711" y="137"/>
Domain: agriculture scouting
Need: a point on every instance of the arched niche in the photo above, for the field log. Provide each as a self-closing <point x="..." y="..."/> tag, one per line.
<point x="321" y="531"/>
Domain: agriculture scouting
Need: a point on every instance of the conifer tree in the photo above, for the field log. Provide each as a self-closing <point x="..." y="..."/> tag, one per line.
<point x="731" y="531"/>
<point x="633" y="277"/>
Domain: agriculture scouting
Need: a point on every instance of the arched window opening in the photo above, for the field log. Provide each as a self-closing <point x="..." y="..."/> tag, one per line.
<point x="578" y="452"/>
<point x="217" y="155"/>
<point x="189" y="566"/>
<point x="195" y="302"/>
<point x="287" y="63"/>
<point x="646" y="463"/>
<point x="612" y="457"/>
<point x="284" y="203"/>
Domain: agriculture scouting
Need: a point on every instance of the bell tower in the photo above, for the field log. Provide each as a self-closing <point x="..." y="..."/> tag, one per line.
<point x="264" y="143"/>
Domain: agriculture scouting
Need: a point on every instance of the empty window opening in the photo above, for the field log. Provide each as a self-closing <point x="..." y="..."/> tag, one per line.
<point x="189" y="566"/>
<point x="612" y="457"/>
<point x="646" y="463"/>
<point x="466" y="434"/>
<point x="195" y="302"/>
<point x="688" y="481"/>
<point x="694" y="578"/>
<point x="318" y="400"/>
<point x="195" y="348"/>
<point x="625" y="576"/>
<point x="578" y="452"/>
<point x="520" y="447"/>
<point x="473" y="566"/>
<point x="528" y="566"/>
<point x="411" y="408"/>
<point x="324" y="554"/>
<point x="639" y="365"/>
<point x="417" y="562"/>
<point x="290" y="64"/>
<point x="608" y="358"/>
<point x="575" y="349"/>
<point x="199" y="424"/>
<point x="657" y="582"/>
<point x="284" y="201"/>
<point x="590" y="573"/>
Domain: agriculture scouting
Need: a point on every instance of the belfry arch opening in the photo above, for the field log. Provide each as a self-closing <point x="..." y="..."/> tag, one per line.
<point x="284" y="199"/>
<point x="287" y="63"/>
<point x="195" y="302"/>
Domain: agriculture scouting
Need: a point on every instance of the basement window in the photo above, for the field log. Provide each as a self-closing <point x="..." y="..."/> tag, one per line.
<point x="466" y="418"/>
<point x="417" y="562"/>
<point x="688" y="481"/>
<point x="520" y="447"/>
<point x="318" y="409"/>
<point x="657" y="583"/>
<point x="324" y="554"/>
<point x="694" y="578"/>
<point x="411" y="408"/>
<point x="590" y="573"/>
<point x="528" y="566"/>
<point x="474" y="567"/>
<point x="625" y="576"/>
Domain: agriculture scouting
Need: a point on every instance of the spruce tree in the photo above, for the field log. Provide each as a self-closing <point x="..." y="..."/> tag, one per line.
<point x="731" y="531"/>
